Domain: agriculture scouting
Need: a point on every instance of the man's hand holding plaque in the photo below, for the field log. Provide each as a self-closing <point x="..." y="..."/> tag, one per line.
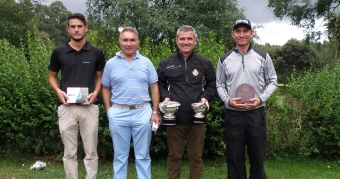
<point x="245" y="92"/>
<point x="245" y="98"/>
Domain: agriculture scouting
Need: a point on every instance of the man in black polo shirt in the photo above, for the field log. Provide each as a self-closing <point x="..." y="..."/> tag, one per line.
<point x="81" y="66"/>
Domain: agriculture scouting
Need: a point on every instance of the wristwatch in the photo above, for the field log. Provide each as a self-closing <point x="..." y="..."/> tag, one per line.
<point x="155" y="112"/>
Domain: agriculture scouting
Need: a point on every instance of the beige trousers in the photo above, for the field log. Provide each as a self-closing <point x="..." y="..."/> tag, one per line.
<point x="73" y="119"/>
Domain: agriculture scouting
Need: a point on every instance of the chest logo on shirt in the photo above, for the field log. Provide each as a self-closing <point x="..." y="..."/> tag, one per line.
<point x="195" y="72"/>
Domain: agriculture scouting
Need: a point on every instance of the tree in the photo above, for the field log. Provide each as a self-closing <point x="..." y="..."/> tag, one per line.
<point x="304" y="13"/>
<point x="327" y="53"/>
<point x="19" y="17"/>
<point x="52" y="21"/>
<point x="15" y="20"/>
<point x="159" y="19"/>
<point x="294" y="55"/>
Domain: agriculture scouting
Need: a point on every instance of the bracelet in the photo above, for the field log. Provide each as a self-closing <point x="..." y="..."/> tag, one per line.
<point x="155" y="112"/>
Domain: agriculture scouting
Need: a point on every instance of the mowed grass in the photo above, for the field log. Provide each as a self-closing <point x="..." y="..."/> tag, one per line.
<point x="19" y="168"/>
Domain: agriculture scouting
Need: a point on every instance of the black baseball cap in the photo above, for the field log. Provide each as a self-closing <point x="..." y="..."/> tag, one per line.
<point x="242" y="21"/>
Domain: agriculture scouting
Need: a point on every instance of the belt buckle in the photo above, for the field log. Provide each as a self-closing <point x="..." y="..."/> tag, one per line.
<point x="137" y="106"/>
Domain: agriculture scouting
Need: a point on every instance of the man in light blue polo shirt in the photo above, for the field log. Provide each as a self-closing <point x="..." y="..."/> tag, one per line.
<point x="125" y="88"/>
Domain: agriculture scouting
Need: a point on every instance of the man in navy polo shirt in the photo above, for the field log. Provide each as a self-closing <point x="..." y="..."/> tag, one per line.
<point x="81" y="66"/>
<point x="128" y="76"/>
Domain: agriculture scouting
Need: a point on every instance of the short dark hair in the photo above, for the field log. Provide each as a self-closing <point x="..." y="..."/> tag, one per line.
<point x="79" y="16"/>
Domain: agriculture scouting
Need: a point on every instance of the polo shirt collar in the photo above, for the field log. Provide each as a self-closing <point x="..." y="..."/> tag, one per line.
<point x="86" y="47"/>
<point x="136" y="57"/>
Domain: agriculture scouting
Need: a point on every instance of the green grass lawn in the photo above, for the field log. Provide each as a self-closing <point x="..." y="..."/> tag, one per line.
<point x="19" y="168"/>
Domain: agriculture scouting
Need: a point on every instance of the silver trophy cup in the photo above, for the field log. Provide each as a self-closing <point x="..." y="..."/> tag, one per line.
<point x="169" y="109"/>
<point x="199" y="109"/>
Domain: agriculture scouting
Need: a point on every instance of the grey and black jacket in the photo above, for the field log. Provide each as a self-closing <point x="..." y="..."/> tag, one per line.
<point x="254" y="67"/>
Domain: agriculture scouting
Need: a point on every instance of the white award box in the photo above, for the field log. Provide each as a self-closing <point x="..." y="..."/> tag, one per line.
<point x="77" y="94"/>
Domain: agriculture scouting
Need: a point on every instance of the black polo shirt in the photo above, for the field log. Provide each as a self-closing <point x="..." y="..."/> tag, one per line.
<point x="78" y="68"/>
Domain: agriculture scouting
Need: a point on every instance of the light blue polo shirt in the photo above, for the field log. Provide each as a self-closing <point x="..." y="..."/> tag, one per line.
<point x="129" y="81"/>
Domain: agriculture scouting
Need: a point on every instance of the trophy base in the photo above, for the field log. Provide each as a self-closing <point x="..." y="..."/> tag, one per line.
<point x="169" y="121"/>
<point x="199" y="116"/>
<point x="199" y="120"/>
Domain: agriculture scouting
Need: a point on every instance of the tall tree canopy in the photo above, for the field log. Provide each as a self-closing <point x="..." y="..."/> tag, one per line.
<point x="19" y="16"/>
<point x="15" y="20"/>
<point x="52" y="21"/>
<point x="304" y="14"/>
<point x="159" y="19"/>
<point x="294" y="55"/>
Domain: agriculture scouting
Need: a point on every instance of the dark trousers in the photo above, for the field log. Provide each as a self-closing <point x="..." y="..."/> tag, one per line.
<point x="245" y="129"/>
<point x="191" y="136"/>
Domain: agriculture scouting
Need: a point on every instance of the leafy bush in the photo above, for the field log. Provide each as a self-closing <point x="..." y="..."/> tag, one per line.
<point x="302" y="117"/>
<point x="315" y="99"/>
<point x="27" y="115"/>
<point x="283" y="125"/>
<point x="28" y="109"/>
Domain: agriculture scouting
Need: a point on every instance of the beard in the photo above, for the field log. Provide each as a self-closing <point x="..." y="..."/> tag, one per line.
<point x="78" y="39"/>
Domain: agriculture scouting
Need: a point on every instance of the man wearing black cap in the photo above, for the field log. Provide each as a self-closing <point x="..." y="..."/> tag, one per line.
<point x="245" y="78"/>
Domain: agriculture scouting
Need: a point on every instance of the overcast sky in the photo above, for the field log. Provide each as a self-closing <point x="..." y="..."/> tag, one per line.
<point x="274" y="31"/>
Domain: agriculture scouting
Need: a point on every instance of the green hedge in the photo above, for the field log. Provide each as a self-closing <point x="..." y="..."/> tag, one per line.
<point x="315" y="100"/>
<point x="29" y="122"/>
<point x="27" y="107"/>
<point x="303" y="118"/>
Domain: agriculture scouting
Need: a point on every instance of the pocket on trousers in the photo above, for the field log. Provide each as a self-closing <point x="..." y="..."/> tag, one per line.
<point x="62" y="112"/>
<point x="263" y="116"/>
<point x="257" y="118"/>
<point x="228" y="118"/>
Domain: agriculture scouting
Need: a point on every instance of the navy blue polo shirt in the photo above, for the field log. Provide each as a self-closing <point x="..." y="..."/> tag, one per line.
<point x="78" y="68"/>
